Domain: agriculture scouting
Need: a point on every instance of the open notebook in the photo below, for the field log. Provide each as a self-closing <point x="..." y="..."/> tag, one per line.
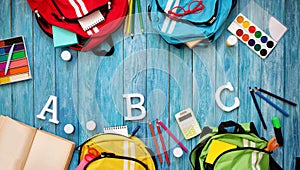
<point x="25" y="147"/>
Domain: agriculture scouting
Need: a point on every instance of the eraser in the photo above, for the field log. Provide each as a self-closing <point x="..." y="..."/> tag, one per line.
<point x="69" y="128"/>
<point x="91" y="125"/>
<point x="66" y="55"/>
<point x="177" y="152"/>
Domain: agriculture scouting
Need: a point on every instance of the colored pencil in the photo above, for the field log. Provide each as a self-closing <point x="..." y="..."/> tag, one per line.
<point x="171" y="134"/>
<point x="155" y="141"/>
<point x="132" y="19"/>
<point x="257" y="108"/>
<point x="271" y="103"/>
<point x="140" y="15"/>
<point x="129" y="17"/>
<point x="277" y="97"/>
<point x="163" y="144"/>
<point x="9" y="58"/>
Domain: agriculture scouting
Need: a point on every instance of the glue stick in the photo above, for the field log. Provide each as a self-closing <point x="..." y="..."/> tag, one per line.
<point x="231" y="41"/>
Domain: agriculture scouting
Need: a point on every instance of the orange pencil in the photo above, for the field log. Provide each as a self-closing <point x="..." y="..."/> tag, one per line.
<point x="163" y="144"/>
<point x="155" y="141"/>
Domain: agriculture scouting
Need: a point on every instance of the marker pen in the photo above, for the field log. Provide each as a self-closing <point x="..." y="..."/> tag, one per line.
<point x="277" y="130"/>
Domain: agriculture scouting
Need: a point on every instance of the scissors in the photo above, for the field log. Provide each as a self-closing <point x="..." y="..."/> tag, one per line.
<point x="272" y="145"/>
<point x="91" y="154"/>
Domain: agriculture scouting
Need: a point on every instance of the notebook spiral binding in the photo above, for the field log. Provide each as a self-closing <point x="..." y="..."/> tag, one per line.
<point x="91" y="20"/>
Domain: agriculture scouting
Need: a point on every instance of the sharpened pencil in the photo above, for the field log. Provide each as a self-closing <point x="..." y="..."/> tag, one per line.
<point x="140" y="16"/>
<point x="257" y="108"/>
<point x="163" y="144"/>
<point x="274" y="95"/>
<point x="155" y="141"/>
<point x="132" y="19"/>
<point x="271" y="103"/>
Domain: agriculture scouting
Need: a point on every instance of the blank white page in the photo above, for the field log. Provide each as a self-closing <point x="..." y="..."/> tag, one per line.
<point x="49" y="152"/>
<point x="15" y="143"/>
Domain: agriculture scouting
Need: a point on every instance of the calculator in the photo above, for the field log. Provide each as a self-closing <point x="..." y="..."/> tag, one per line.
<point x="188" y="123"/>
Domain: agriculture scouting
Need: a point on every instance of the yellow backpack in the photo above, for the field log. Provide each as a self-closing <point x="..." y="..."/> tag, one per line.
<point x="116" y="152"/>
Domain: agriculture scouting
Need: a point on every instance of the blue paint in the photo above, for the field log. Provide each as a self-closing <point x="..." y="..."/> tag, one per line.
<point x="2" y="51"/>
<point x="264" y="39"/>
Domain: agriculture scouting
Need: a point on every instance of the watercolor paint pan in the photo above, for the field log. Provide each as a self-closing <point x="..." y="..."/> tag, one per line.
<point x="251" y="35"/>
<point x="18" y="68"/>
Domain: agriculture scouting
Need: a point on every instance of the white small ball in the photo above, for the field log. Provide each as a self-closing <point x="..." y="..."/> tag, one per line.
<point x="177" y="152"/>
<point x="231" y="40"/>
<point x="69" y="128"/>
<point x="66" y="55"/>
<point x="91" y="125"/>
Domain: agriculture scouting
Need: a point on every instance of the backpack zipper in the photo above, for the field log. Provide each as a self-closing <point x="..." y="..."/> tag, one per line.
<point x="104" y="8"/>
<point x="112" y="155"/>
<point x="238" y="149"/>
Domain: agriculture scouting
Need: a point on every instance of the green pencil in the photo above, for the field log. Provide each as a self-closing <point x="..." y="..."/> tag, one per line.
<point x="141" y="17"/>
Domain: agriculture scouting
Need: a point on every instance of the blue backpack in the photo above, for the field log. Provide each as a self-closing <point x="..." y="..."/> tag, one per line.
<point x="182" y="21"/>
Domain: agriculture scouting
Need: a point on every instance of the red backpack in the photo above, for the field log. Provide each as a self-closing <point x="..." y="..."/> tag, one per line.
<point x="101" y="18"/>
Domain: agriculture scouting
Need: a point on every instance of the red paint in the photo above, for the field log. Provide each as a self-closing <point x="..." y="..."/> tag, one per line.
<point x="252" y="29"/>
<point x="239" y="32"/>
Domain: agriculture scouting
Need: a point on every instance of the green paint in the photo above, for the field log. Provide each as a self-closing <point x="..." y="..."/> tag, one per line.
<point x="257" y="34"/>
<point x="257" y="47"/>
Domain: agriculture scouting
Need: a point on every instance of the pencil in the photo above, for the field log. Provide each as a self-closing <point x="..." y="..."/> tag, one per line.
<point x="171" y="134"/>
<point x="155" y="141"/>
<point x="129" y="17"/>
<point x="163" y="144"/>
<point x="140" y="15"/>
<point x="271" y="103"/>
<point x="277" y="97"/>
<point x="9" y="58"/>
<point x="132" y="19"/>
<point x="257" y="108"/>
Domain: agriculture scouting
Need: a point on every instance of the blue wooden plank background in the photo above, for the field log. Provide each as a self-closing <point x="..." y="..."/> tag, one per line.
<point x="171" y="79"/>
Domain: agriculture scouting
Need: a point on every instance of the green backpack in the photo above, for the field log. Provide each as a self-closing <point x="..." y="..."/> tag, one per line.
<point x="240" y="149"/>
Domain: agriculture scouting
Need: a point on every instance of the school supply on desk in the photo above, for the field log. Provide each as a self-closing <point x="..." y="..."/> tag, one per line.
<point x="121" y="130"/>
<point x="185" y="21"/>
<point x="240" y="149"/>
<point x="14" y="65"/>
<point x="25" y="147"/>
<point x="257" y="108"/>
<point x="163" y="144"/>
<point x="272" y="145"/>
<point x="171" y="134"/>
<point x="277" y="130"/>
<point x="92" y="21"/>
<point x="112" y="151"/>
<point x="276" y="96"/>
<point x="254" y="37"/>
<point x="9" y="58"/>
<point x="188" y="123"/>
<point x="63" y="37"/>
<point x="271" y="103"/>
<point x="155" y="141"/>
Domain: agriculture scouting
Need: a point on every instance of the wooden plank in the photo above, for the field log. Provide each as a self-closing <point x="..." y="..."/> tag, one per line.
<point x="272" y="77"/>
<point x="134" y="63"/>
<point x="23" y="91"/>
<point x="44" y="75"/>
<point x="227" y="60"/>
<point x="249" y="74"/>
<point x="291" y="124"/>
<point x="5" y="32"/>
<point x="157" y="77"/>
<point x="66" y="90"/>
<point x="181" y="97"/>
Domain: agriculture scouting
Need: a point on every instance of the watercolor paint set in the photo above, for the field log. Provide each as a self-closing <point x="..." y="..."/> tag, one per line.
<point x="254" y="37"/>
<point x="14" y="64"/>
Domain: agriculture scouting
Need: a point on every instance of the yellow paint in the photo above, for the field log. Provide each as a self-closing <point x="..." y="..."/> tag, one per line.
<point x="246" y="24"/>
